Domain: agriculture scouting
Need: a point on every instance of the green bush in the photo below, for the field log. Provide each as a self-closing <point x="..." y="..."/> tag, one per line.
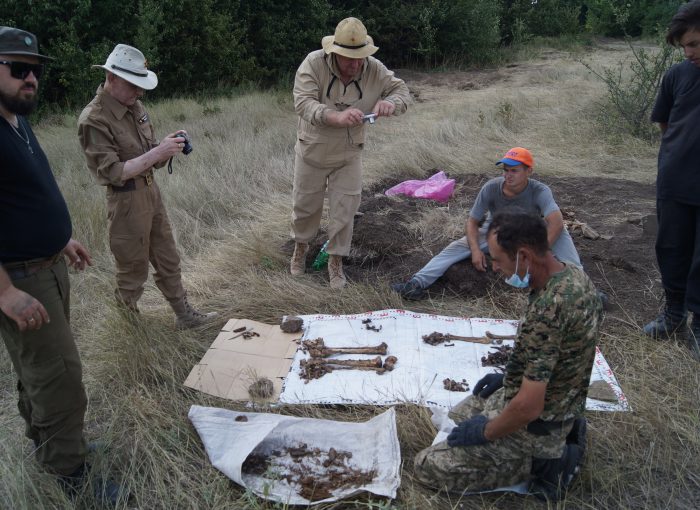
<point x="631" y="91"/>
<point x="632" y="18"/>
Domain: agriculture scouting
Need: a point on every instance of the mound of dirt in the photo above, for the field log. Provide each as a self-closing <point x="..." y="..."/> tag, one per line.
<point x="621" y="263"/>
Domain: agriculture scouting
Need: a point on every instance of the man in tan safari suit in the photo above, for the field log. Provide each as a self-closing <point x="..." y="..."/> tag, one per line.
<point x="121" y="150"/>
<point x="333" y="90"/>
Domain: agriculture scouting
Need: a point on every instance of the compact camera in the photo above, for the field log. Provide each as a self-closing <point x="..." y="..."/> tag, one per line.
<point x="369" y="118"/>
<point x="187" y="146"/>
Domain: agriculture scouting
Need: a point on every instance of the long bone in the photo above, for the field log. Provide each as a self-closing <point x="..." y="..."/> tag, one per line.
<point x="353" y="363"/>
<point x="315" y="368"/>
<point x="436" y="338"/>
<point x="317" y="349"/>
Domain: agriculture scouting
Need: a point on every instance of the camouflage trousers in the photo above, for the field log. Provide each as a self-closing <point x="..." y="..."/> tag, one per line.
<point x="500" y="463"/>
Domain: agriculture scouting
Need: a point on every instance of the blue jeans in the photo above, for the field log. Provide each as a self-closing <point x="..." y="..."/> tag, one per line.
<point x="563" y="249"/>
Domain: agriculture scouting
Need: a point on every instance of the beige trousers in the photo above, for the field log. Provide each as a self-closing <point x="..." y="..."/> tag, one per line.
<point x="139" y="233"/>
<point x="333" y="168"/>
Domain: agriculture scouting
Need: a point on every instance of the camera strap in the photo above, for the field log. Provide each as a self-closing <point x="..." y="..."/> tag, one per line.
<point x="170" y="166"/>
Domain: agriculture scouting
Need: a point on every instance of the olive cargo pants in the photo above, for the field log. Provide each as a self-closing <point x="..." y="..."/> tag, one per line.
<point x="52" y="398"/>
<point x="500" y="463"/>
<point x="139" y="233"/>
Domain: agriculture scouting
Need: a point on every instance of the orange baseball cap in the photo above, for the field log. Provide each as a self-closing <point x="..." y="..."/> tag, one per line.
<point x="517" y="156"/>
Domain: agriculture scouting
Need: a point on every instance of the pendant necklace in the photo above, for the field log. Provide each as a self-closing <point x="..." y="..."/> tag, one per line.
<point x="24" y="138"/>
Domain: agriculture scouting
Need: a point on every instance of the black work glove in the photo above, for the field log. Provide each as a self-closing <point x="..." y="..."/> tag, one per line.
<point x="469" y="432"/>
<point x="488" y="384"/>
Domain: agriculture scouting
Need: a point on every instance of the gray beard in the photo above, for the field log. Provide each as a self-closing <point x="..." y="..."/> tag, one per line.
<point x="17" y="106"/>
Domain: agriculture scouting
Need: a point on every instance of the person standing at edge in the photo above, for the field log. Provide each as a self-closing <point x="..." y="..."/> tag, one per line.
<point x="35" y="239"/>
<point x="676" y="110"/>
<point x="526" y="424"/>
<point x="121" y="150"/>
<point x="333" y="90"/>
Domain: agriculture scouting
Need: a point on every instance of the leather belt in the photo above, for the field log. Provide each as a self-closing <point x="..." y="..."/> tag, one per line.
<point x="545" y="428"/>
<point x="133" y="184"/>
<point x="19" y="270"/>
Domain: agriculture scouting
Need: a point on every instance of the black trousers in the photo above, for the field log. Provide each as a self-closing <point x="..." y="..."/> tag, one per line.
<point x="678" y="252"/>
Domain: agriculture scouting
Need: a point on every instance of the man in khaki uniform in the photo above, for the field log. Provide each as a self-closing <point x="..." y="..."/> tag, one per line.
<point x="121" y="151"/>
<point x="333" y="90"/>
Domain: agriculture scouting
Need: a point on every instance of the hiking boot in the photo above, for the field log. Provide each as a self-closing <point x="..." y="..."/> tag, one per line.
<point x="552" y="477"/>
<point x="411" y="290"/>
<point x="670" y="321"/>
<point x="298" y="264"/>
<point x="105" y="491"/>
<point x="577" y="435"/>
<point x="187" y="317"/>
<point x="693" y="337"/>
<point x="127" y="308"/>
<point x="335" y="271"/>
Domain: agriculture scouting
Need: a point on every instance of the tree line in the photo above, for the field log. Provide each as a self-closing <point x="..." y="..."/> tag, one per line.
<point x="201" y="46"/>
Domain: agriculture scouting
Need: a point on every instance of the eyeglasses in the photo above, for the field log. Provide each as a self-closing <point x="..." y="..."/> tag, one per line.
<point x="20" y="70"/>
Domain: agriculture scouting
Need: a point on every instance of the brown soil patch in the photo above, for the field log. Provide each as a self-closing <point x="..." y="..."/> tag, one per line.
<point x="624" y="266"/>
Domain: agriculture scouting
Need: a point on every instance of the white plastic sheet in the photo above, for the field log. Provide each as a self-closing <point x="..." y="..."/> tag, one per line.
<point x="374" y="446"/>
<point x="421" y="368"/>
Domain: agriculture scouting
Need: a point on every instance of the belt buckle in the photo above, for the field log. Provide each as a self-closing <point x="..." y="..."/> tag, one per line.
<point x="149" y="179"/>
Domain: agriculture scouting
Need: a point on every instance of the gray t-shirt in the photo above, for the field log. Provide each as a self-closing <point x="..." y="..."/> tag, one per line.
<point x="536" y="198"/>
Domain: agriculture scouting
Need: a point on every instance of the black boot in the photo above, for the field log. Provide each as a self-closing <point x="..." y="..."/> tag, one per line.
<point x="105" y="491"/>
<point x="552" y="477"/>
<point x="670" y="321"/>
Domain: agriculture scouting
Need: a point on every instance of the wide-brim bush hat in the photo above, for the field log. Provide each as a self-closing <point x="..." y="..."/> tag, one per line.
<point x="350" y="40"/>
<point x="517" y="156"/>
<point x="14" y="41"/>
<point x="129" y="64"/>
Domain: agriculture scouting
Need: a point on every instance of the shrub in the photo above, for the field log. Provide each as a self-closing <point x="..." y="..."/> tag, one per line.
<point x="632" y="89"/>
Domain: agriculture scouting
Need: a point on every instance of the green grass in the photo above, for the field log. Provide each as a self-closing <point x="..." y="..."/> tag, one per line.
<point x="230" y="202"/>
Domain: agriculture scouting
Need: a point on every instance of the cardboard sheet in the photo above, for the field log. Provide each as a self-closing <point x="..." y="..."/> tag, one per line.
<point x="233" y="363"/>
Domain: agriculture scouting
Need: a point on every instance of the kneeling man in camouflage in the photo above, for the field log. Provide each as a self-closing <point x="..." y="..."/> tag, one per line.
<point x="526" y="424"/>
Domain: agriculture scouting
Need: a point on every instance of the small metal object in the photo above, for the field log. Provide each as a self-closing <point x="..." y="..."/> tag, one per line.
<point x="369" y="118"/>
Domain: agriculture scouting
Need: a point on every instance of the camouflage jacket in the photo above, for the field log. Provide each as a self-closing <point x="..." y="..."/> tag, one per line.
<point x="556" y="343"/>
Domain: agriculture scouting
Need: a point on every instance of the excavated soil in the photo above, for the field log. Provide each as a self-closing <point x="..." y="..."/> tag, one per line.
<point x="623" y="265"/>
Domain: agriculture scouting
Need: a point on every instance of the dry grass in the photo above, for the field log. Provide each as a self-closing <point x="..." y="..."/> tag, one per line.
<point x="229" y="202"/>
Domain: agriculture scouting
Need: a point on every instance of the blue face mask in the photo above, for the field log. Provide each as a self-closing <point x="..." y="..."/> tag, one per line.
<point x="514" y="280"/>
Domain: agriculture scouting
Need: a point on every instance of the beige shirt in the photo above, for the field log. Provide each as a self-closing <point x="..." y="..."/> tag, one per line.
<point x="317" y="87"/>
<point x="111" y="134"/>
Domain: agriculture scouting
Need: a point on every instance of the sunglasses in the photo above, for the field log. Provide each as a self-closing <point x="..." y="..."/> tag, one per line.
<point x="20" y="70"/>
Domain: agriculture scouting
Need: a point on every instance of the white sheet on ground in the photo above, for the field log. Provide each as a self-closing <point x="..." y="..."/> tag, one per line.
<point x="421" y="368"/>
<point x="374" y="446"/>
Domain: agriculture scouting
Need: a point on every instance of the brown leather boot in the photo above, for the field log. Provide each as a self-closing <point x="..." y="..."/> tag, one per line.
<point x="335" y="271"/>
<point x="187" y="317"/>
<point x="298" y="265"/>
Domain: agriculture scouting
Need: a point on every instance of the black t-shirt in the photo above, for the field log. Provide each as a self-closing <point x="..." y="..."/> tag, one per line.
<point x="34" y="219"/>
<point x="678" y="104"/>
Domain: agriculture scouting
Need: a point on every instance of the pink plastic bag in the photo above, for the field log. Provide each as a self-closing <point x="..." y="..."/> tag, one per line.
<point x="437" y="187"/>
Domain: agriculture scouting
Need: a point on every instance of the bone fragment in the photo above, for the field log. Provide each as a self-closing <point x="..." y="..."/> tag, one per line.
<point x="317" y="349"/>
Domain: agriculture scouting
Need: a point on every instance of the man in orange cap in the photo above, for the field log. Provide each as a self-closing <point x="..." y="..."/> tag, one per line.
<point x="334" y="90"/>
<point x="514" y="188"/>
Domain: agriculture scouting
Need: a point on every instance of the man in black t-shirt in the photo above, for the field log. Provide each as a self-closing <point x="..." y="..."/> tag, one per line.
<point x="677" y="110"/>
<point x="35" y="239"/>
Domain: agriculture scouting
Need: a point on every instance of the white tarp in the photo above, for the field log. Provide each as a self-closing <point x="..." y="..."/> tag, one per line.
<point x="374" y="446"/>
<point x="421" y="368"/>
